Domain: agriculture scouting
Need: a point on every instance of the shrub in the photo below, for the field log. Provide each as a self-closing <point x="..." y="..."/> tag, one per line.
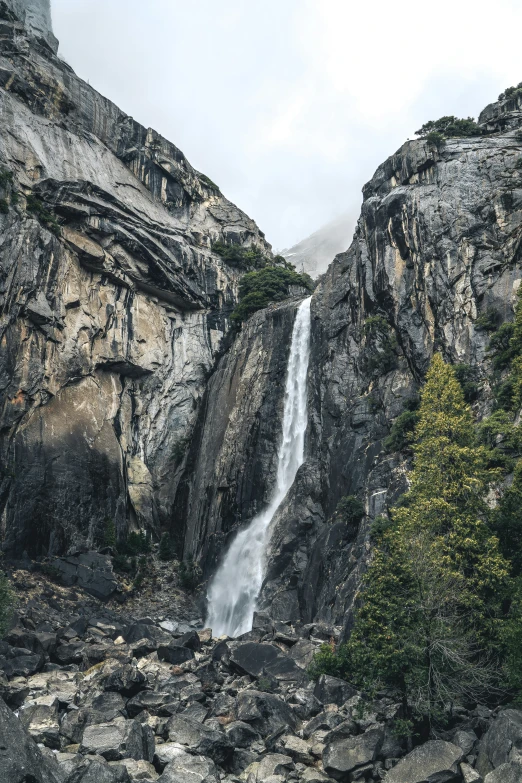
<point x="135" y="544"/>
<point x="351" y="509"/>
<point x="109" y="533"/>
<point x="4" y="206"/>
<point x="466" y="375"/>
<point x="7" y="604"/>
<point x="511" y="92"/>
<point x="208" y="182"/>
<point x="332" y="661"/>
<point x="450" y="127"/>
<point x="271" y="284"/>
<point x="189" y="574"/>
<point x="500" y="346"/>
<point x="402" y="432"/>
<point x="166" y="549"/>
<point x="251" y="257"/>
<point x="380" y="346"/>
<point x="436" y="139"/>
<point x="179" y="449"/>
<point x="488" y="321"/>
<point x="46" y="218"/>
<point x="6" y="178"/>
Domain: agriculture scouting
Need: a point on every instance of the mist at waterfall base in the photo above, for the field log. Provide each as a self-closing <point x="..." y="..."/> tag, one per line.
<point x="233" y="593"/>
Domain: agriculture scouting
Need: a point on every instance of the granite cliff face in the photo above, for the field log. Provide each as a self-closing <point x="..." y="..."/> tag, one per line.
<point x="114" y="306"/>
<point x="438" y="242"/>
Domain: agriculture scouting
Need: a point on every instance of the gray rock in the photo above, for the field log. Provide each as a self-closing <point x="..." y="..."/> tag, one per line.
<point x="331" y="690"/>
<point x="127" y="680"/>
<point x="174" y="653"/>
<point x="274" y="764"/>
<point x="266" y="712"/>
<point x="41" y="722"/>
<point x="90" y="571"/>
<point x="434" y="762"/>
<point x="502" y="742"/>
<point x="506" y="773"/>
<point x="344" y="756"/>
<point x="95" y="771"/>
<point x="240" y="734"/>
<point x="20" y="758"/>
<point x="119" y="739"/>
<point x="470" y="775"/>
<point x="252" y="658"/>
<point x="465" y="740"/>
<point x="199" y="739"/>
<point x="190" y="769"/>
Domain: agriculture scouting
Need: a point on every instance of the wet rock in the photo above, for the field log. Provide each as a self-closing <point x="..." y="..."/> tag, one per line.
<point x="434" y="762"/>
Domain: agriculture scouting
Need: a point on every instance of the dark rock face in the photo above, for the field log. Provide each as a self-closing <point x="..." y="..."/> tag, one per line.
<point x="91" y="571"/>
<point x="112" y="322"/>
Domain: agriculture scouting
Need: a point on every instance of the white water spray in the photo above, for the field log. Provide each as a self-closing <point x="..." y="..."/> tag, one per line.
<point x="233" y="593"/>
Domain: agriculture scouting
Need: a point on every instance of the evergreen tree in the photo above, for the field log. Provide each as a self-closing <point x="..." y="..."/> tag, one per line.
<point x="165" y="547"/>
<point x="433" y="590"/>
<point x="6" y="604"/>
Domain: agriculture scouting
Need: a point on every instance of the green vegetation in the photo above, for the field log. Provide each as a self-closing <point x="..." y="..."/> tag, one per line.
<point x="271" y="284"/>
<point x="511" y="92"/>
<point x="436" y="131"/>
<point x="4" y="206"/>
<point x="109" y="533"/>
<point x="350" y="509"/>
<point x="441" y="613"/>
<point x="466" y="375"/>
<point x="179" y="449"/>
<point x="135" y="544"/>
<point x="380" y="346"/>
<point x="208" y="182"/>
<point x="189" y="574"/>
<point x="403" y="428"/>
<point x="36" y="207"/>
<point x="6" y="178"/>
<point x="166" y="548"/>
<point x="251" y="257"/>
<point x="488" y="321"/>
<point x="7" y="604"/>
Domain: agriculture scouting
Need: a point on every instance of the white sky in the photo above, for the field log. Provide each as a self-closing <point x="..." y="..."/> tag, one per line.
<point x="290" y="105"/>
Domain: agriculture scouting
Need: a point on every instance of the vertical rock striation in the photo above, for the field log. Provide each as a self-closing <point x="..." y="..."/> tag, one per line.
<point x="113" y="305"/>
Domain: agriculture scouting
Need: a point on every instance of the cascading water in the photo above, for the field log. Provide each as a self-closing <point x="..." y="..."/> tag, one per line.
<point x="233" y="593"/>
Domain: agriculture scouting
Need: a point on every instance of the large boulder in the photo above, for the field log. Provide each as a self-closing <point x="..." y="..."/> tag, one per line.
<point x="20" y="758"/>
<point x="127" y="680"/>
<point x="434" y="762"/>
<point x="190" y="769"/>
<point x="199" y="738"/>
<point x="86" y="770"/>
<point x="41" y="721"/>
<point x="506" y="773"/>
<point x="174" y="653"/>
<point x="502" y="742"/>
<point x="252" y="658"/>
<point x="120" y="739"/>
<point x="344" y="756"/>
<point x="331" y="690"/>
<point x="265" y="711"/>
<point x="90" y="571"/>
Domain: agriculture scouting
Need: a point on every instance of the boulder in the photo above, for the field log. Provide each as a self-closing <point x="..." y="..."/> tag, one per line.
<point x="190" y="640"/>
<point x="465" y="740"/>
<point x="199" y="739"/>
<point x="174" y="653"/>
<point x="506" y="773"/>
<point x="470" y="775"/>
<point x="240" y="734"/>
<point x="127" y="680"/>
<point x="331" y="690"/>
<point x="119" y="739"/>
<point x="20" y="758"/>
<point x="502" y="742"/>
<point x="151" y="701"/>
<point x="343" y="756"/>
<point x="91" y="571"/>
<point x="265" y="711"/>
<point x="24" y="665"/>
<point x="166" y="753"/>
<point x="252" y="658"/>
<point x="274" y="764"/>
<point x="138" y="770"/>
<point x="190" y="769"/>
<point x="302" y="653"/>
<point x="284" y="669"/>
<point x="41" y="721"/>
<point x="325" y="721"/>
<point x="138" y="631"/>
<point x="94" y="771"/>
<point x="434" y="762"/>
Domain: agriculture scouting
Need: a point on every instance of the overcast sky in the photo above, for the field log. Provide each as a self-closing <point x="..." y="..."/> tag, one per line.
<point x="290" y="105"/>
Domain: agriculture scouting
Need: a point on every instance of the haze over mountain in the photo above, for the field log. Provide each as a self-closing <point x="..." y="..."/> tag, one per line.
<point x="314" y="254"/>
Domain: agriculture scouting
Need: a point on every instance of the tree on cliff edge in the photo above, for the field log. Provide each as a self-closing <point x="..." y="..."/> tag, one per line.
<point x="428" y="625"/>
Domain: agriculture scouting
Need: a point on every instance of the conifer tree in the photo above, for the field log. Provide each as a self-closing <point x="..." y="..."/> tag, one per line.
<point x="433" y="590"/>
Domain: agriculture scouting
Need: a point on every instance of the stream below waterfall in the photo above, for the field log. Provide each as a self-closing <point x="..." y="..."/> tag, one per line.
<point x="234" y="590"/>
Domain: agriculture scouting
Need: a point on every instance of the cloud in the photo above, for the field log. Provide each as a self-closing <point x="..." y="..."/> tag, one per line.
<point x="290" y="106"/>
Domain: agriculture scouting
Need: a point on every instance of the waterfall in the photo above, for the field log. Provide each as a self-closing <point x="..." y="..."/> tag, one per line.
<point x="233" y="593"/>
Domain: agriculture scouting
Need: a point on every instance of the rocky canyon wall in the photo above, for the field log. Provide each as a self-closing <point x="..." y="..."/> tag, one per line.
<point x="113" y="304"/>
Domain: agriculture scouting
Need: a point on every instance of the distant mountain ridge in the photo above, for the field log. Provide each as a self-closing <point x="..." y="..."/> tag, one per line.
<point x="315" y="253"/>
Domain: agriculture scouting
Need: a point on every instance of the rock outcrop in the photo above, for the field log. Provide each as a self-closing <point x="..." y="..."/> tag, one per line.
<point x="114" y="306"/>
